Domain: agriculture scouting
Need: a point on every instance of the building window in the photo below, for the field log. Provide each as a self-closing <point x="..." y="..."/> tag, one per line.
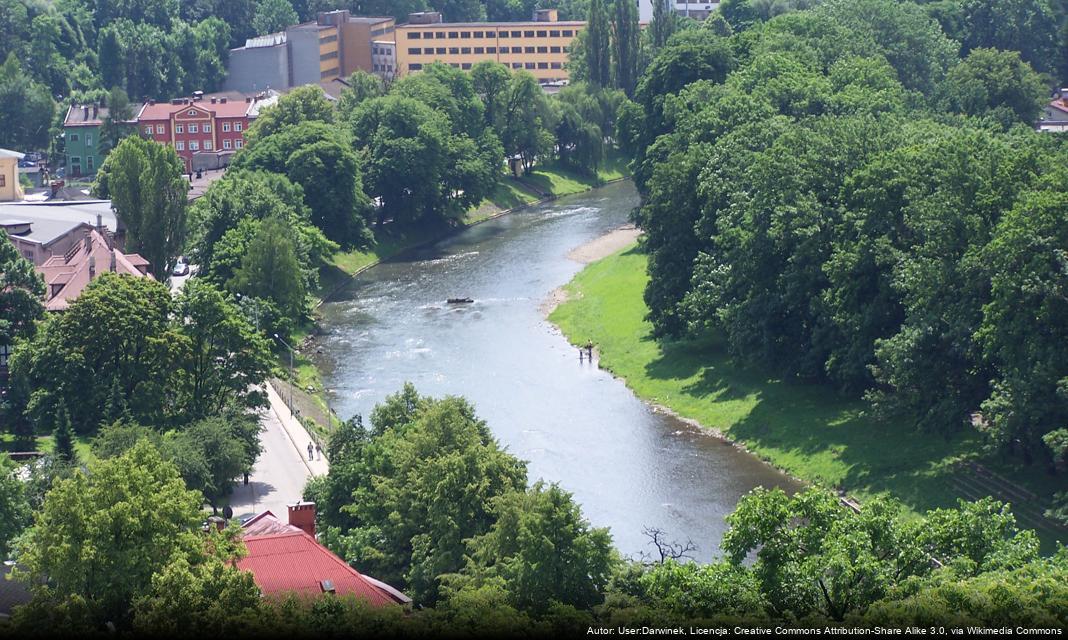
<point x="465" y="50"/>
<point x="192" y="128"/>
<point x="480" y="50"/>
<point x="528" y="65"/>
<point x="543" y="65"/>
<point x="415" y="35"/>
<point x="207" y="128"/>
<point x="237" y="126"/>
<point x="414" y="51"/>
<point x="179" y="146"/>
<point x="517" y="65"/>
<point x="207" y="145"/>
<point x="528" y="49"/>
<point x="454" y="50"/>
<point x="554" y="49"/>
<point x="226" y="127"/>
<point x="159" y="129"/>
<point x="148" y="130"/>
<point x="454" y="35"/>
<point x="528" y="34"/>
<point x="89" y="163"/>
<point x="543" y="49"/>
<point x="328" y="56"/>
<point x="239" y="143"/>
<point x="491" y="50"/>
<point x="555" y="65"/>
<point x="479" y="34"/>
<point x="3" y="178"/>
<point x="517" y="34"/>
<point x="554" y="34"/>
<point x="465" y="65"/>
<point x="504" y="49"/>
<point x="194" y="145"/>
<point x="568" y="33"/>
<point x="440" y="35"/>
<point x="541" y="34"/>
<point x="191" y="112"/>
<point x="88" y="139"/>
<point x="74" y="136"/>
<point x="465" y="34"/>
<point x="178" y="128"/>
<point x="5" y="349"/>
<point x="415" y="67"/>
<point x="440" y="51"/>
<point x="227" y="144"/>
<point x="503" y="34"/>
<point x="454" y="65"/>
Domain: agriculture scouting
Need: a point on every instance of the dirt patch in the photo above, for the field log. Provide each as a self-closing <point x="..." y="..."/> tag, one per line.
<point x="558" y="297"/>
<point x="606" y="245"/>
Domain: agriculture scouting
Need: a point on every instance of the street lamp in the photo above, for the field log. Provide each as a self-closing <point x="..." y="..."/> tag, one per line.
<point x="291" y="378"/>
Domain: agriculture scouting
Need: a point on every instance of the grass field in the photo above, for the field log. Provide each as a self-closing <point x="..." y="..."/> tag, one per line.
<point x="805" y="429"/>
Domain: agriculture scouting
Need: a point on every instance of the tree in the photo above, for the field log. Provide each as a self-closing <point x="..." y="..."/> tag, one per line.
<point x="361" y="86"/>
<point x="227" y="360"/>
<point x="460" y="10"/>
<point x="597" y="45"/>
<point x="299" y="106"/>
<point x="144" y="181"/>
<point x="419" y="484"/>
<point x="270" y="269"/>
<point x="26" y="108"/>
<point x="21" y="290"/>
<point x="14" y="505"/>
<point x="665" y="22"/>
<point x="1026" y="26"/>
<point x="63" y="434"/>
<point x="132" y="340"/>
<point x="528" y="120"/>
<point x="118" y="123"/>
<point x="100" y="537"/>
<point x="272" y="16"/>
<point x="542" y="549"/>
<point x="997" y="83"/>
<point x="625" y="44"/>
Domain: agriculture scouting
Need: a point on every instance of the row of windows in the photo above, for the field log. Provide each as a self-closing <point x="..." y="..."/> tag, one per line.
<point x="206" y="145"/>
<point x="430" y="51"/>
<point x="328" y="39"/>
<point x="383" y="68"/>
<point x="452" y="35"/>
<point x="515" y="65"/>
<point x="382" y="51"/>
<point x="73" y="137"/>
<point x="76" y="164"/>
<point x="179" y="128"/>
<point x="328" y="56"/>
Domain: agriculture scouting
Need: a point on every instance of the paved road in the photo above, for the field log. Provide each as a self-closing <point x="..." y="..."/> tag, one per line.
<point x="282" y="470"/>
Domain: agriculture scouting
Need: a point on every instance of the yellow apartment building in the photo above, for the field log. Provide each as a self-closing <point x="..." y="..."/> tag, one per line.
<point x="539" y="46"/>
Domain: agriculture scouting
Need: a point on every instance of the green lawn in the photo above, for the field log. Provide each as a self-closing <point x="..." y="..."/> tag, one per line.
<point x="807" y="430"/>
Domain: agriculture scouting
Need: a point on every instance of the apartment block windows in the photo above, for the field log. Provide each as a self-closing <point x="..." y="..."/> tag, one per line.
<point x="227" y="144"/>
<point x="465" y="34"/>
<point x="479" y="34"/>
<point x="517" y="34"/>
<point x="542" y="34"/>
<point x="193" y="128"/>
<point x="207" y="145"/>
<point x="554" y="49"/>
<point x="207" y="128"/>
<point x="415" y="67"/>
<point x="440" y="35"/>
<point x="503" y="50"/>
<point x="237" y="126"/>
<point x="480" y="50"/>
<point x="465" y="50"/>
<point x="414" y="35"/>
<point x="179" y="146"/>
<point x="148" y="131"/>
<point x="226" y="127"/>
<point x="528" y="65"/>
<point x="414" y="51"/>
<point x="528" y="49"/>
<point x="194" y="145"/>
<point x="454" y="35"/>
<point x="528" y="34"/>
<point x="179" y="128"/>
<point x="465" y="65"/>
<point x="491" y="50"/>
<point x="440" y="51"/>
<point x="555" y="65"/>
<point x="74" y="136"/>
<point x="159" y="129"/>
<point x="554" y="33"/>
<point x="239" y="143"/>
<point x="543" y="65"/>
<point x="568" y="33"/>
<point x="454" y="50"/>
<point x="88" y="139"/>
<point x="543" y="49"/>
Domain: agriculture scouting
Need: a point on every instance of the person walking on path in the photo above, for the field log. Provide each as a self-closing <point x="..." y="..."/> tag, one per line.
<point x="318" y="451"/>
<point x="310" y="450"/>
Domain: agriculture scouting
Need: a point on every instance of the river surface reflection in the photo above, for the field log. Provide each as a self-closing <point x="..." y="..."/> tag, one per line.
<point x="628" y="465"/>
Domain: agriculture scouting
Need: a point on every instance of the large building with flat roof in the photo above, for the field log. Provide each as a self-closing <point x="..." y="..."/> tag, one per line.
<point x="539" y="46"/>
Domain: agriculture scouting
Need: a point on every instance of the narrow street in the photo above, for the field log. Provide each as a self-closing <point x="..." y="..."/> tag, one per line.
<point x="283" y="468"/>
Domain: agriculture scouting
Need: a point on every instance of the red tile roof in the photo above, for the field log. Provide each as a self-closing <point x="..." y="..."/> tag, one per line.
<point x="285" y="560"/>
<point x="67" y="275"/>
<point x="163" y="110"/>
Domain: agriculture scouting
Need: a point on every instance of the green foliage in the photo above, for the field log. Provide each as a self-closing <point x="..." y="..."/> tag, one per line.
<point x="596" y="45"/>
<point x="1027" y="26"/>
<point x="302" y="105"/>
<point x="625" y="45"/>
<point x="996" y="83"/>
<point x="26" y="108"/>
<point x="144" y="181"/>
<point x="99" y="538"/>
<point x="21" y="289"/>
<point x="63" y="434"/>
<point x="271" y="270"/>
<point x="273" y="15"/>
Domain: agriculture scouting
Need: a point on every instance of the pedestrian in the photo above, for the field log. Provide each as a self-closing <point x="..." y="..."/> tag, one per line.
<point x="589" y="350"/>
<point x="318" y="451"/>
<point x="310" y="450"/>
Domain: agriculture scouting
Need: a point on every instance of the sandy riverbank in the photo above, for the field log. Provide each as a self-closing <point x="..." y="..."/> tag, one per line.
<point x="592" y="251"/>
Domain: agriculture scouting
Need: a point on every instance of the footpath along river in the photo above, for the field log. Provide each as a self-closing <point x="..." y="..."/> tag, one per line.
<point x="628" y="466"/>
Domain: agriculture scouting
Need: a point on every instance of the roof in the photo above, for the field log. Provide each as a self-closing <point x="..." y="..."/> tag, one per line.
<point x="50" y="221"/>
<point x="227" y="105"/>
<point x="333" y="87"/>
<point x="292" y="562"/>
<point x="266" y="523"/>
<point x="269" y="40"/>
<point x="8" y="153"/>
<point x="85" y="115"/>
<point x="73" y="272"/>
<point x="1059" y="105"/>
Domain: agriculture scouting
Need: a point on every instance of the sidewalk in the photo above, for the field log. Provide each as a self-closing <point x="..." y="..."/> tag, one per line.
<point x="297" y="434"/>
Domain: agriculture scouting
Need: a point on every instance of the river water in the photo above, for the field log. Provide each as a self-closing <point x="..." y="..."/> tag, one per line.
<point x="629" y="466"/>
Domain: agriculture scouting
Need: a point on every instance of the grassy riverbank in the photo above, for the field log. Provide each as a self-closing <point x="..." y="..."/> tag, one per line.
<point x="805" y="429"/>
<point x="543" y="182"/>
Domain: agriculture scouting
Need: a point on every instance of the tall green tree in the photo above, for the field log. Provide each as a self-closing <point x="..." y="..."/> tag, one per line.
<point x="271" y="270"/>
<point x="996" y="83"/>
<point x="118" y="123"/>
<point x="625" y="45"/>
<point x="63" y="434"/>
<point x="598" y="45"/>
<point x="1027" y="26"/>
<point x="26" y="108"/>
<point x="665" y="22"/>
<point x="144" y="181"/>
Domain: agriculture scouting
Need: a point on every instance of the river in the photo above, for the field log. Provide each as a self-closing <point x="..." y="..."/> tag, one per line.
<point x="629" y="466"/>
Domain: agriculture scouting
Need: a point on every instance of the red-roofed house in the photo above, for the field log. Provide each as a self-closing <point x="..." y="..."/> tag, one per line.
<point x="204" y="130"/>
<point x="284" y="559"/>
<point x="1055" y="115"/>
<point x="67" y="275"/>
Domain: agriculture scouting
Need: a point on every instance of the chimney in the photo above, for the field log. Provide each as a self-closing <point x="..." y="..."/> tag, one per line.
<point x="302" y="516"/>
<point x="217" y="521"/>
<point x="214" y="100"/>
<point x="85" y="112"/>
<point x="96" y="110"/>
<point x="100" y="223"/>
<point x="151" y="102"/>
<point x="92" y="267"/>
<point x="248" y="99"/>
<point x="111" y="254"/>
<point x="222" y="100"/>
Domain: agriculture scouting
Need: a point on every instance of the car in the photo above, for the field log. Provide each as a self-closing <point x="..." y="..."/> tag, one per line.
<point x="181" y="268"/>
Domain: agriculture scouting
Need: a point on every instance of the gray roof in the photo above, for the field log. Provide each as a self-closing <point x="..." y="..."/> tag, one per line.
<point x="53" y="220"/>
<point x="8" y="153"/>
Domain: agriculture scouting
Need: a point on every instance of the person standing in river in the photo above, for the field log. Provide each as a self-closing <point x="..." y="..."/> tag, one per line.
<point x="589" y="350"/>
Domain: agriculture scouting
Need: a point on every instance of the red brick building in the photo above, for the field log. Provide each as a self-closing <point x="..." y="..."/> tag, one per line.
<point x="205" y="130"/>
